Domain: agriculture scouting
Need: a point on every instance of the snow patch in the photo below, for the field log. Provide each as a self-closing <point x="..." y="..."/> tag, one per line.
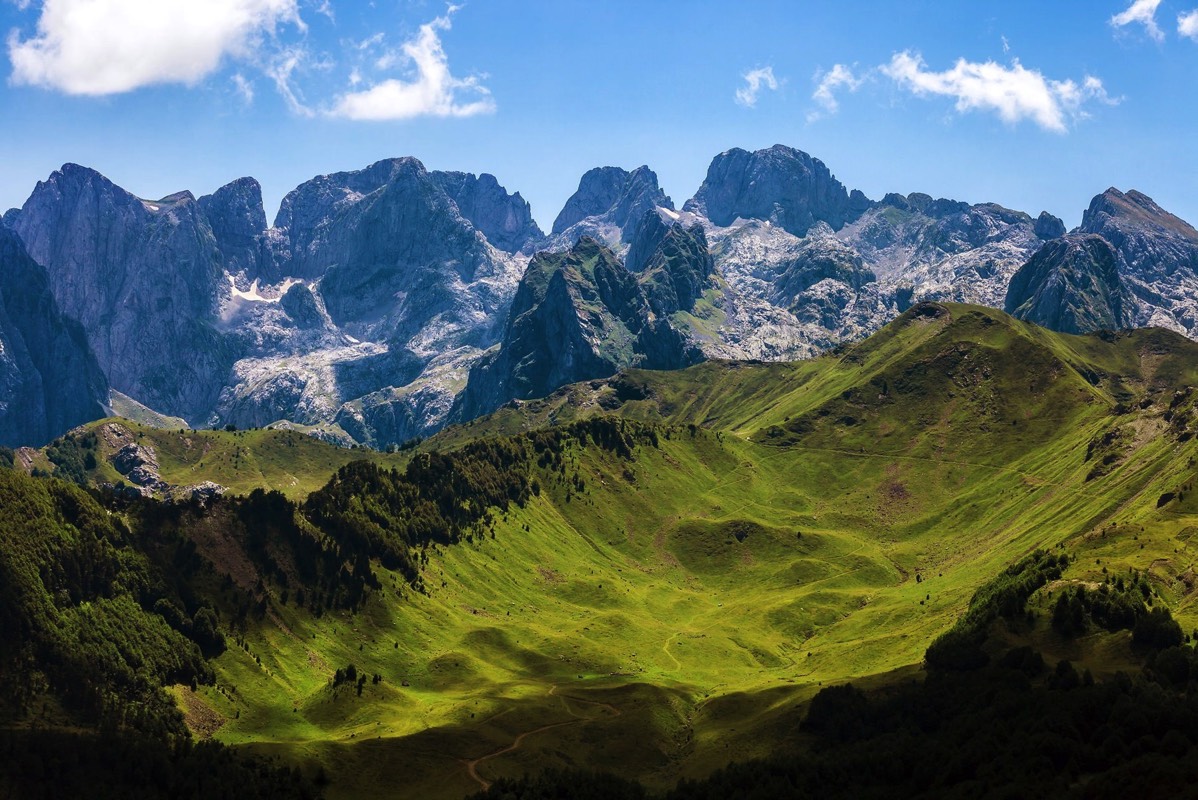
<point x="253" y="294"/>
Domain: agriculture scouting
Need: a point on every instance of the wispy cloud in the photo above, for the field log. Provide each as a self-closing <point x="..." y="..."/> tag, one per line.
<point x="827" y="84"/>
<point x="756" y="81"/>
<point x="103" y="47"/>
<point x="280" y="70"/>
<point x="244" y="89"/>
<point x="1013" y="92"/>
<point x="430" y="90"/>
<point x="1187" y="24"/>
<point x="1140" y="12"/>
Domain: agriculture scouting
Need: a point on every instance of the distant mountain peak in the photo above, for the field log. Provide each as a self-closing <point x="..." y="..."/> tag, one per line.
<point x="781" y="185"/>
<point x="611" y="198"/>
<point x="1072" y="284"/>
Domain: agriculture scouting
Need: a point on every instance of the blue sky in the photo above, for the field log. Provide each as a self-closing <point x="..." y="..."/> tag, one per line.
<point x="1035" y="105"/>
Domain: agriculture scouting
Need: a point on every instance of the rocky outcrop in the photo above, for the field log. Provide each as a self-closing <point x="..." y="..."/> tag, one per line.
<point x="577" y="315"/>
<point x="781" y="185"/>
<point x="936" y="249"/>
<point x="380" y="293"/>
<point x="143" y="278"/>
<point x="1158" y="255"/>
<point x="399" y="294"/>
<point x="673" y="262"/>
<point x="238" y="221"/>
<point x="50" y="381"/>
<point x="820" y="257"/>
<point x="505" y="219"/>
<point x="1049" y="227"/>
<point x="1073" y="285"/>
<point x="609" y="204"/>
<point x="139" y="464"/>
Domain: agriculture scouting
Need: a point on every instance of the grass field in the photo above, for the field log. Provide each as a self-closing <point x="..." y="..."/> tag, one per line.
<point x="290" y="461"/>
<point x="816" y="523"/>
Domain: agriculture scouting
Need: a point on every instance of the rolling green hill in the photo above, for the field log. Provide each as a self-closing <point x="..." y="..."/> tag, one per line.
<point x="661" y="595"/>
<point x="289" y="461"/>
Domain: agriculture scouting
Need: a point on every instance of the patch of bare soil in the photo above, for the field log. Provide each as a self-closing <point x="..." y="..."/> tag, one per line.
<point x="202" y="720"/>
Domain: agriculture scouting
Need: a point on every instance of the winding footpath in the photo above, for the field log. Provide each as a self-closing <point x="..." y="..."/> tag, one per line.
<point x="472" y="765"/>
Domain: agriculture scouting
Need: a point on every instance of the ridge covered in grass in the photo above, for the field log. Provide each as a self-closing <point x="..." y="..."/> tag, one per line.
<point x="667" y="603"/>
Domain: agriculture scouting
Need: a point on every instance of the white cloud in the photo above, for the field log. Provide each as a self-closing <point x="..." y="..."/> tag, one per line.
<point x="1015" y="93"/>
<point x="839" y="77"/>
<point x="280" y="71"/>
<point x="1141" y="12"/>
<point x="431" y="91"/>
<point x="245" y="89"/>
<point x="755" y="81"/>
<point x="1187" y="24"/>
<point x="100" y="47"/>
<point x="1006" y="45"/>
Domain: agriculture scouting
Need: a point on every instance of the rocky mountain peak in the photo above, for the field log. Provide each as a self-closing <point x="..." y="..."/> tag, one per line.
<point x="609" y="203"/>
<point x="1048" y="226"/>
<point x="505" y="219"/>
<point x="238" y="220"/>
<point x="142" y="277"/>
<point x="1133" y="209"/>
<point x="310" y="202"/>
<point x="1072" y="284"/>
<point x="780" y="184"/>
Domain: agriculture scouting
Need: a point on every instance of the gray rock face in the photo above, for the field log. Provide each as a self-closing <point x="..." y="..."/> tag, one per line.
<point x="371" y="281"/>
<point x="1049" y="227"/>
<point x="505" y="219"/>
<point x="782" y="185"/>
<point x="400" y="293"/>
<point x="401" y="256"/>
<point x="577" y="315"/>
<point x="608" y="205"/>
<point x="50" y="381"/>
<point x="820" y="256"/>
<point x="1158" y="255"/>
<point x="238" y="221"/>
<point x="386" y="300"/>
<point x="1073" y="285"/>
<point x="673" y="262"/>
<point x="138" y="464"/>
<point x="929" y="249"/>
<point x="143" y="278"/>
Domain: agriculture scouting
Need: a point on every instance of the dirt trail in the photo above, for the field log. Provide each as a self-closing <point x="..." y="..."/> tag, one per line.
<point x="472" y="765"/>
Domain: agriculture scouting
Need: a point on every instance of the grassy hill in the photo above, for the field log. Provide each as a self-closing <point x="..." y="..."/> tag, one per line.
<point x="662" y="607"/>
<point x="289" y="461"/>
<point x="821" y="521"/>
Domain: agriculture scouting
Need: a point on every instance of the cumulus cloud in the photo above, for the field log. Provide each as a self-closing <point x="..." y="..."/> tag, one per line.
<point x="431" y="90"/>
<point x="1140" y="12"/>
<point x="755" y="81"/>
<point x="827" y="84"/>
<point x="1187" y="24"/>
<point x="102" y="47"/>
<point x="1015" y="93"/>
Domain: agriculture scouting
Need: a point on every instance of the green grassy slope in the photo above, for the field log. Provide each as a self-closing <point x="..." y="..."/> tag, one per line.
<point x="658" y="616"/>
<point x="822" y="521"/>
<point x="289" y="461"/>
<point x="908" y="360"/>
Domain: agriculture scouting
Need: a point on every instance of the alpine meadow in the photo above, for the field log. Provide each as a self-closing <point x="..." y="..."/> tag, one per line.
<point x="789" y="490"/>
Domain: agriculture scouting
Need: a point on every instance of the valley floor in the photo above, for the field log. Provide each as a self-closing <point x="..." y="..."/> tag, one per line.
<point x="664" y="617"/>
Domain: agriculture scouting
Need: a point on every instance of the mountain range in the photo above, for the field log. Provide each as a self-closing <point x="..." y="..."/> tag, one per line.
<point x="384" y="303"/>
